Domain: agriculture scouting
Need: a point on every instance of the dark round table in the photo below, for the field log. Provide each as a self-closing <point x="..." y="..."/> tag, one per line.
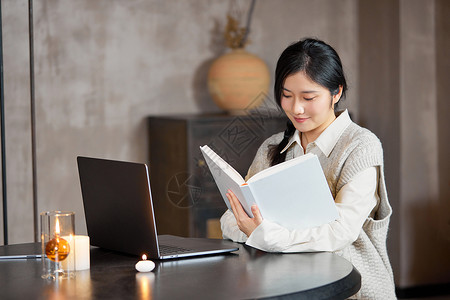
<point x="244" y="274"/>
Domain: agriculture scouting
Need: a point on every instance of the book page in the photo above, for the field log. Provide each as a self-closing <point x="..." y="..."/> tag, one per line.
<point x="225" y="176"/>
<point x="221" y="165"/>
<point x="279" y="167"/>
<point x="296" y="198"/>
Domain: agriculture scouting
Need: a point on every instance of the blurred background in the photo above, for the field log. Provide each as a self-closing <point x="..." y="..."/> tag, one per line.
<point x="101" y="68"/>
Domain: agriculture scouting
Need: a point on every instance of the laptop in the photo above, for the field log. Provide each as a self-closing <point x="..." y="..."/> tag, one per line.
<point x="119" y="213"/>
<point x="21" y="251"/>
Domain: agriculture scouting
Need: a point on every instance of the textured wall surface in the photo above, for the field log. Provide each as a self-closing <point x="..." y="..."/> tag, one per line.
<point x="102" y="67"/>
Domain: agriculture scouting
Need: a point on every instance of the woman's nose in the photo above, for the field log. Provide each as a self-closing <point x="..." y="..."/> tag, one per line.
<point x="298" y="108"/>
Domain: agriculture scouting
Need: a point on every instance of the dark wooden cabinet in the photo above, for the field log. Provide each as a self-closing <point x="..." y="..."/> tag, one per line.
<point x="185" y="196"/>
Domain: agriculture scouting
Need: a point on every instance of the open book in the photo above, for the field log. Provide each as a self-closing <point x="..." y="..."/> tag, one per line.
<point x="294" y="194"/>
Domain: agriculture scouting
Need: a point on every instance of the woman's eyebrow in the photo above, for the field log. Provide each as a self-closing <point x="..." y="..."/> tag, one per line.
<point x="303" y="92"/>
<point x="309" y="92"/>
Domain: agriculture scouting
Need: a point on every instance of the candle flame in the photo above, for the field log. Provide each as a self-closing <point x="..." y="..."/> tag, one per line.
<point x="57" y="229"/>
<point x="144" y="257"/>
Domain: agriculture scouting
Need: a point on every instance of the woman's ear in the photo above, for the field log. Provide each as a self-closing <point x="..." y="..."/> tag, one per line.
<point x="337" y="95"/>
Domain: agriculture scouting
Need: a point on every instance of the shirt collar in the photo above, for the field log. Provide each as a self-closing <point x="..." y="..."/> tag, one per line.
<point x="295" y="138"/>
<point x="328" y="138"/>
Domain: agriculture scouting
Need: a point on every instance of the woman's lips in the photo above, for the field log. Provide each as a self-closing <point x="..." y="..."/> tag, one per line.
<point x="300" y="120"/>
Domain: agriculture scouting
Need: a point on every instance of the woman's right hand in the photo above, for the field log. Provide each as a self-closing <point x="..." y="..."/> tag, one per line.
<point x="246" y="224"/>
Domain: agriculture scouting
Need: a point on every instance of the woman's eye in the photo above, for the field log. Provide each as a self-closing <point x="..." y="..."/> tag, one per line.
<point x="309" y="99"/>
<point x="286" y="96"/>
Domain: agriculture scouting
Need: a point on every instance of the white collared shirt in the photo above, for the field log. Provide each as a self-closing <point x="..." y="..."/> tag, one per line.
<point x="356" y="201"/>
<point x="326" y="140"/>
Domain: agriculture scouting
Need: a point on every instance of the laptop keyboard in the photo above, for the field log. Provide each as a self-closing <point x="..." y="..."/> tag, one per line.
<point x="167" y="249"/>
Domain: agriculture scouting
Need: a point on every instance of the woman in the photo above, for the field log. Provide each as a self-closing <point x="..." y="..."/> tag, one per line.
<point x="309" y="83"/>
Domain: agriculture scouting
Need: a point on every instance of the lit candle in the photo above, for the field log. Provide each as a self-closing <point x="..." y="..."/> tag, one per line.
<point x="82" y="252"/>
<point x="145" y="265"/>
<point x="57" y="249"/>
<point x="79" y="257"/>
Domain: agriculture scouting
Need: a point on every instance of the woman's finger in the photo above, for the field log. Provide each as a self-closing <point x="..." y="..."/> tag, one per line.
<point x="232" y="204"/>
<point x="236" y="206"/>
<point x="257" y="214"/>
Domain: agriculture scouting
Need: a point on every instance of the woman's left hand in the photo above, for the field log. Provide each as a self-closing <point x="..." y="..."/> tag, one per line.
<point x="246" y="224"/>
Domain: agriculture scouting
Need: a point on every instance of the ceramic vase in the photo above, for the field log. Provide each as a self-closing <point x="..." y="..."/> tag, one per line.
<point x="238" y="81"/>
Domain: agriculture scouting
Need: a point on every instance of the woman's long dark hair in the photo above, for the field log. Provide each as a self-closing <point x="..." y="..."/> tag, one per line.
<point x="321" y="63"/>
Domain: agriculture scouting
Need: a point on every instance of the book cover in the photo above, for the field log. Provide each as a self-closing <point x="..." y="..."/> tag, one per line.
<point x="294" y="194"/>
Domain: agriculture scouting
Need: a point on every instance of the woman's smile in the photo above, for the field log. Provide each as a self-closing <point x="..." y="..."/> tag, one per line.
<point x="301" y="120"/>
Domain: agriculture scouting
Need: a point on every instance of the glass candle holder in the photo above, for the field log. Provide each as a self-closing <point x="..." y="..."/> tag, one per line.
<point x="57" y="239"/>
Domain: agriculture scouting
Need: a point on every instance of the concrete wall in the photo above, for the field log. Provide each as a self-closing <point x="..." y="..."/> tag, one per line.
<point x="102" y="67"/>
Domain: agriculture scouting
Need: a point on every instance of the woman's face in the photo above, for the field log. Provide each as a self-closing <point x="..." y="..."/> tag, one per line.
<point x="308" y="105"/>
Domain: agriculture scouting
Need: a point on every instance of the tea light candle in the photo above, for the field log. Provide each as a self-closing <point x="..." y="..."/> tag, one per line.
<point x="145" y="265"/>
